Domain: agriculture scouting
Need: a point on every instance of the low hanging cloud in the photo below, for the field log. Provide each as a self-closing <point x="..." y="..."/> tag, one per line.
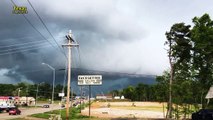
<point x="9" y="76"/>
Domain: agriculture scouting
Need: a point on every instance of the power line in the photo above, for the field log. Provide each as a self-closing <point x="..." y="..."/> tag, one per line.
<point x="46" y="27"/>
<point x="35" y="27"/>
<point x="16" y="38"/>
<point x="21" y="44"/>
<point x="7" y="39"/>
<point x="39" y="34"/>
<point x="22" y="50"/>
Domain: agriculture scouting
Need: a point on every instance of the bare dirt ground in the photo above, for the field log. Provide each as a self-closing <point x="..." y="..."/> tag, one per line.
<point x="126" y="110"/>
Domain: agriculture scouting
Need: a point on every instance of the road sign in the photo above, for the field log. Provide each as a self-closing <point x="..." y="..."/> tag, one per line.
<point x="61" y="94"/>
<point x="89" y="79"/>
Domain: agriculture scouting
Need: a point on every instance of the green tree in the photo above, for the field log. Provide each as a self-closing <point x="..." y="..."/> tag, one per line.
<point x="115" y="93"/>
<point x="178" y="42"/>
<point x="142" y="92"/>
<point x="7" y="89"/>
<point x="129" y="93"/>
<point x="45" y="90"/>
<point x="202" y="37"/>
<point x="58" y="89"/>
<point x="162" y="87"/>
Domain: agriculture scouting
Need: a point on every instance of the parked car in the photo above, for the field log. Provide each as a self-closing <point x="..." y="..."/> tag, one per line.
<point x="10" y="108"/>
<point x="1" y="110"/>
<point x="46" y="106"/>
<point x="203" y="114"/>
<point x="62" y="105"/>
<point x="15" y="111"/>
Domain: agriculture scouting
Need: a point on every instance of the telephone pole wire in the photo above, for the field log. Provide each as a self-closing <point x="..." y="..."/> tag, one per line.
<point x="71" y="43"/>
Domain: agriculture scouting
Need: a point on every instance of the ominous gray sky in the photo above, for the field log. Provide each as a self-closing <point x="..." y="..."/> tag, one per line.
<point x="114" y="35"/>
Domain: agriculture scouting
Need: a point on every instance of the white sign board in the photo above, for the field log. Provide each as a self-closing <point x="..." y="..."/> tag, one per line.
<point x="90" y="80"/>
<point x="61" y="94"/>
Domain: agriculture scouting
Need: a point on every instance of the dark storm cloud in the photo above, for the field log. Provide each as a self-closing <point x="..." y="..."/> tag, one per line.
<point x="114" y="35"/>
<point x="92" y="29"/>
<point x="14" y="31"/>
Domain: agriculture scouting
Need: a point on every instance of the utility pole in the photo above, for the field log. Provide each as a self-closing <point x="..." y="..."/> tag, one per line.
<point x="71" y="43"/>
<point x="37" y="94"/>
<point x="27" y="95"/>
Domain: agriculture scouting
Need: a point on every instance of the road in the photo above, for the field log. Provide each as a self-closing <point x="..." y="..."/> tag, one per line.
<point x="28" y="111"/>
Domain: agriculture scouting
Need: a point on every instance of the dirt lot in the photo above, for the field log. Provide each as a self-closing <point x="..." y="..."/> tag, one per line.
<point x="126" y="110"/>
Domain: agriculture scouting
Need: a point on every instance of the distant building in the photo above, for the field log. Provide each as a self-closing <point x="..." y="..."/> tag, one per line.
<point x="117" y="97"/>
<point x="11" y="101"/>
<point x="122" y="97"/>
<point x="210" y="93"/>
<point x="28" y="100"/>
<point x="8" y="100"/>
<point x="104" y="97"/>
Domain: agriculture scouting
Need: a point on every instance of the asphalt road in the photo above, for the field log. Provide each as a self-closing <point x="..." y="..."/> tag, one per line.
<point x="28" y="111"/>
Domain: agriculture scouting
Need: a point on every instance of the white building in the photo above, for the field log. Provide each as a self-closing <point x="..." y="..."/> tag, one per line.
<point x="8" y="100"/>
<point x="11" y="101"/>
<point x="28" y="100"/>
<point x="104" y="97"/>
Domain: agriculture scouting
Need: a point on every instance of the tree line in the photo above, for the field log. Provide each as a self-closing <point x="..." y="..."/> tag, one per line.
<point x="30" y="90"/>
<point x="190" y="53"/>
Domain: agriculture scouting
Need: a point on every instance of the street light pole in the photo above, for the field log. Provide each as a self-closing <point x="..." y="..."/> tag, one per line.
<point x="36" y="95"/>
<point x="53" y="79"/>
<point x="19" y="91"/>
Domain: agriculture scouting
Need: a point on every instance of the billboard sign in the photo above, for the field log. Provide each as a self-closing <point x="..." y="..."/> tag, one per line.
<point x="90" y="80"/>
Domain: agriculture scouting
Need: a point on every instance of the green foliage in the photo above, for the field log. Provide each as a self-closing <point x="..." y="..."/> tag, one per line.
<point x="7" y="89"/>
<point x="115" y="93"/>
<point x="191" y="55"/>
<point x="43" y="115"/>
<point x="74" y="113"/>
<point x="162" y="87"/>
<point x="202" y="37"/>
<point x="179" y="38"/>
<point x="129" y="92"/>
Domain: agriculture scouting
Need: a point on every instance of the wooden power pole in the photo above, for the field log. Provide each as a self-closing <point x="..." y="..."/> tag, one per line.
<point x="71" y="43"/>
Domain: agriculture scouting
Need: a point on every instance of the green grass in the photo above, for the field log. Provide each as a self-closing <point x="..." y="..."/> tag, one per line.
<point x="74" y="113"/>
<point x="45" y="115"/>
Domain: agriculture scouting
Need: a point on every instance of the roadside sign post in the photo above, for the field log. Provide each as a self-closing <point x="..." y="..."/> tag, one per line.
<point x="89" y="99"/>
<point x="89" y="80"/>
<point x="80" y="100"/>
<point x="61" y="95"/>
